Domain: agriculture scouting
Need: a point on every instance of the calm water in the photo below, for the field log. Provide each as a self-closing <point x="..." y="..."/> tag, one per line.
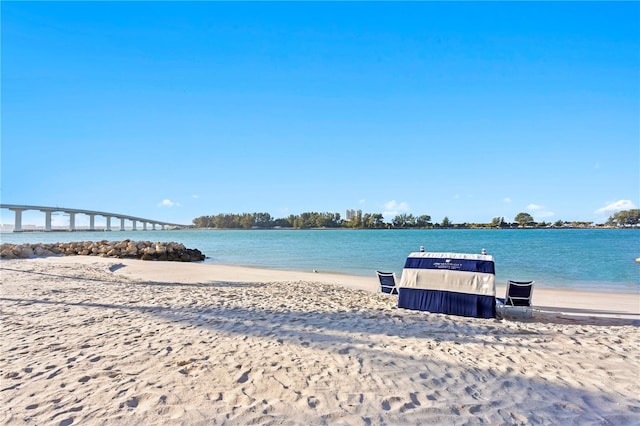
<point x="592" y="259"/>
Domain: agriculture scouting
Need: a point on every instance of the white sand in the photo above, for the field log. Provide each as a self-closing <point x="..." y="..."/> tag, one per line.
<point x="101" y="341"/>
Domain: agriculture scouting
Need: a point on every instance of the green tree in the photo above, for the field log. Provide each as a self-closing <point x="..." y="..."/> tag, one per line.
<point x="263" y="220"/>
<point x="404" y="221"/>
<point x="283" y="223"/>
<point x="423" y="221"/>
<point x="626" y="218"/>
<point x="498" y="222"/>
<point x="523" y="219"/>
<point x="366" y="220"/>
<point x="204" y="222"/>
<point x="446" y="223"/>
<point x="246" y="221"/>
<point x="377" y="220"/>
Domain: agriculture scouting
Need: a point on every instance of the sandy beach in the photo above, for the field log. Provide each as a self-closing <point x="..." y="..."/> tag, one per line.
<point x="89" y="340"/>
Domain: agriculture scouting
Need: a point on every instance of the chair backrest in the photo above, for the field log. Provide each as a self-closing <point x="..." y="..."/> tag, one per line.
<point x="519" y="293"/>
<point x="387" y="282"/>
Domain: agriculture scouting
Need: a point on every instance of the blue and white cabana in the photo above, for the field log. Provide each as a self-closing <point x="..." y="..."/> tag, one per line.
<point x="449" y="283"/>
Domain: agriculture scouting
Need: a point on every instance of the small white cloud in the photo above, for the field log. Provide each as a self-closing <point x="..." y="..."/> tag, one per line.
<point x="362" y="201"/>
<point x="541" y="212"/>
<point x="394" y="205"/>
<point x="393" y="208"/>
<point x="616" y="206"/>
<point x="506" y="200"/>
<point x="195" y="196"/>
<point x="544" y="214"/>
<point x="168" y="203"/>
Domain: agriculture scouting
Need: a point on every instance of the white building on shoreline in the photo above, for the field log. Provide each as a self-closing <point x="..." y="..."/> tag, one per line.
<point x="352" y="214"/>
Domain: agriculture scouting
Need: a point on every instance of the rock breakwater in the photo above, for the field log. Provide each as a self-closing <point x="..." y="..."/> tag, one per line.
<point x="127" y="249"/>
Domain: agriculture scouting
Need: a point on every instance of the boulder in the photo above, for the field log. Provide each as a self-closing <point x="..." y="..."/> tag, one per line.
<point x="7" y="253"/>
<point x="145" y="250"/>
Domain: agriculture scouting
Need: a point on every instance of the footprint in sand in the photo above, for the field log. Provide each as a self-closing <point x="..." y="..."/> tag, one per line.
<point x="244" y="377"/>
<point x="388" y="403"/>
<point x="131" y="403"/>
<point x="475" y="409"/>
<point x="313" y="402"/>
<point x="434" y="396"/>
<point x="414" y="398"/>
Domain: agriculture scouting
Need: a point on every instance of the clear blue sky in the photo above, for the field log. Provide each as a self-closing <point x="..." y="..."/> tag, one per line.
<point x="171" y="111"/>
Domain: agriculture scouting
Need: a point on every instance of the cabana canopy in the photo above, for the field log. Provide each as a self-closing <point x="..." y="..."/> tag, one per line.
<point x="449" y="283"/>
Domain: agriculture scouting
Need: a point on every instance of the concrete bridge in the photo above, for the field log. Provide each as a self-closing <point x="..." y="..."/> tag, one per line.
<point x="48" y="211"/>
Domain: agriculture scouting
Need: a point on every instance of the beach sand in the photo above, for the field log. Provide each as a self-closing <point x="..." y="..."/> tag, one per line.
<point x="89" y="340"/>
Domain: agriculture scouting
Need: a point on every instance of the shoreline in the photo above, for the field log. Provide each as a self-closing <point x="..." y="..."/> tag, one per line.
<point x="500" y="286"/>
<point x="548" y="303"/>
<point x="573" y="260"/>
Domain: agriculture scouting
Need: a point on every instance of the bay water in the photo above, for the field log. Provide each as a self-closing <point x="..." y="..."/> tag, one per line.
<point x="580" y="259"/>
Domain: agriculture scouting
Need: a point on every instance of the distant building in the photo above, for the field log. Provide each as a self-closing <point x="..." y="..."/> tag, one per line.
<point x="352" y="214"/>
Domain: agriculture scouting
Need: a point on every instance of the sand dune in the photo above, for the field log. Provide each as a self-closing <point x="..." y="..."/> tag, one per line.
<point x="100" y="341"/>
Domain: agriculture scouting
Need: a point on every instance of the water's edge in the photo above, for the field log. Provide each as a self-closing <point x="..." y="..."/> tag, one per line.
<point x="588" y="260"/>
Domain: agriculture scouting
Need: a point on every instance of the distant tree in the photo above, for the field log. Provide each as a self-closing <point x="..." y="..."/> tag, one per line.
<point x="498" y="222"/>
<point x="354" y="222"/>
<point x="404" y="221"/>
<point x="224" y="221"/>
<point x="625" y="218"/>
<point x="203" y="222"/>
<point x="558" y="223"/>
<point x="446" y="223"/>
<point x="283" y="223"/>
<point x="523" y="219"/>
<point x="399" y="221"/>
<point x="298" y="222"/>
<point x="263" y="220"/>
<point x="377" y="221"/>
<point x="423" y="221"/>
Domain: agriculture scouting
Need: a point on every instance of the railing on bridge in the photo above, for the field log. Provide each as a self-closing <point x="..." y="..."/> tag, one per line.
<point x="48" y="211"/>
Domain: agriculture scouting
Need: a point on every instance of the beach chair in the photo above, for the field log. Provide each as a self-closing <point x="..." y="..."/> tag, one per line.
<point x="387" y="282"/>
<point x="517" y="300"/>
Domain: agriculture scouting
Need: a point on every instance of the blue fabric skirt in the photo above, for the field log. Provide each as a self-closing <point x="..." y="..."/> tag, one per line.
<point x="447" y="302"/>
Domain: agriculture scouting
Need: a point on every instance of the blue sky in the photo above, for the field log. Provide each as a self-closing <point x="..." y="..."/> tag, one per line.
<point x="171" y="111"/>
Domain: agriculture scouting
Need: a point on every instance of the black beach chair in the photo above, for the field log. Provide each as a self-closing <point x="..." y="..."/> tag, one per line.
<point x="519" y="293"/>
<point x="517" y="299"/>
<point x="387" y="282"/>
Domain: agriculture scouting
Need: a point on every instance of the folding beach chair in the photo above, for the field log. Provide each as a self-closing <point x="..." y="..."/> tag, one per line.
<point x="517" y="299"/>
<point x="387" y="282"/>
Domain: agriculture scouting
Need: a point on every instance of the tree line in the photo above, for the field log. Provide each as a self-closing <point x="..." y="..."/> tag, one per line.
<point x="402" y="221"/>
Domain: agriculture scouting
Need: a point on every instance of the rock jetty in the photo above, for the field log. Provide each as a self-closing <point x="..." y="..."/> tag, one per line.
<point x="127" y="249"/>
